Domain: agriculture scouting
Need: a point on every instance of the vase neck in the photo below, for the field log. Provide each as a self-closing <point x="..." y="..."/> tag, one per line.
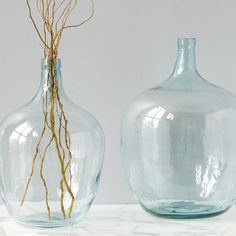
<point x="186" y="62"/>
<point x="50" y="75"/>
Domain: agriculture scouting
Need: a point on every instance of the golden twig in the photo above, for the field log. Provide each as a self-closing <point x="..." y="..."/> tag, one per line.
<point x="54" y="17"/>
<point x="35" y="26"/>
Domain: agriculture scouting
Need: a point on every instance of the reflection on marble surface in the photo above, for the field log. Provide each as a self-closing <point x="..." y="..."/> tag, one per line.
<point x="125" y="220"/>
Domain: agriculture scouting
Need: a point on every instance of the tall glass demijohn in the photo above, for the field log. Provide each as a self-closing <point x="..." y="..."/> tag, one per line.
<point x="179" y="143"/>
<point x="51" y="155"/>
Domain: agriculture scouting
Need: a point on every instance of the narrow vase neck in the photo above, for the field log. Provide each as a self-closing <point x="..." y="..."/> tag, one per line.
<point x="51" y="75"/>
<point x="186" y="62"/>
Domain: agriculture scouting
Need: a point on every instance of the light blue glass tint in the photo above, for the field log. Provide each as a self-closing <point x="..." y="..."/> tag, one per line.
<point x="19" y="134"/>
<point x="179" y="143"/>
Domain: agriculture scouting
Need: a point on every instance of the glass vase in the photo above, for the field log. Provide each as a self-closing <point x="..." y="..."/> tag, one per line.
<point x="179" y="143"/>
<point x="51" y="155"/>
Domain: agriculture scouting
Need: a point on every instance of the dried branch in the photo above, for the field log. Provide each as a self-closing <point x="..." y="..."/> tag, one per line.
<point x="35" y="26"/>
<point x="54" y="17"/>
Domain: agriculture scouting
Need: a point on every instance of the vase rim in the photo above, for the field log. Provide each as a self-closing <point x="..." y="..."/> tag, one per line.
<point x="186" y="42"/>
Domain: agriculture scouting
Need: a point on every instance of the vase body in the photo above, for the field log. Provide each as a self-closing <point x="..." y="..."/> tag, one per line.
<point x="179" y="143"/>
<point x="20" y="133"/>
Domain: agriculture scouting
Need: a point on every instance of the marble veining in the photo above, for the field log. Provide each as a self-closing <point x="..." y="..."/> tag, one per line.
<point x="125" y="220"/>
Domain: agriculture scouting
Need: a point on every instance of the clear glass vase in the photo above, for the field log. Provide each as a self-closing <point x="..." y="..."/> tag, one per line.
<point x="179" y="143"/>
<point x="51" y="155"/>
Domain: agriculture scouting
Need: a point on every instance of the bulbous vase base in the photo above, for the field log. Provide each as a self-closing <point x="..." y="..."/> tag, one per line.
<point x="56" y="220"/>
<point x="185" y="209"/>
<point x="40" y="220"/>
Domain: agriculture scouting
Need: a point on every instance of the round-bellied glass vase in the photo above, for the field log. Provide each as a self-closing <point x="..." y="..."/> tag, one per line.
<point x="51" y="155"/>
<point x="179" y="143"/>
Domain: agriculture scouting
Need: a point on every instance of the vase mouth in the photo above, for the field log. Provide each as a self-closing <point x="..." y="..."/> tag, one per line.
<point x="46" y="63"/>
<point x="186" y="42"/>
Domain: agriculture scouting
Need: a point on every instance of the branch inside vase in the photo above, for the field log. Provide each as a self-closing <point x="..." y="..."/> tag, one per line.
<point x="53" y="16"/>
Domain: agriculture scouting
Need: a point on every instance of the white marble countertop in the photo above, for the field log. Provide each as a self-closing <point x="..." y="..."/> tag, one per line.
<point x="122" y="220"/>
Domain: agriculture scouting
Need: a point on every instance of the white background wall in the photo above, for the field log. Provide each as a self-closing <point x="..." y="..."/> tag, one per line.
<point x="129" y="46"/>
